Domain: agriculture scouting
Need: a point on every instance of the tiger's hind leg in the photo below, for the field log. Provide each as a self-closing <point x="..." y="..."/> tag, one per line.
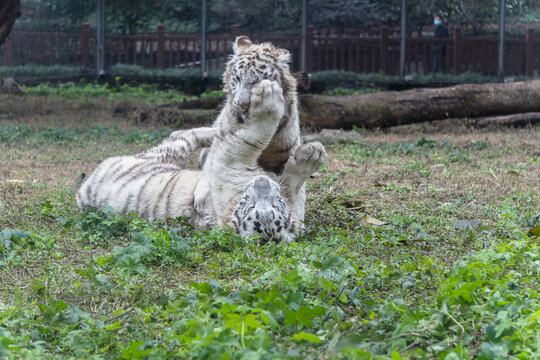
<point x="179" y="146"/>
<point x="307" y="159"/>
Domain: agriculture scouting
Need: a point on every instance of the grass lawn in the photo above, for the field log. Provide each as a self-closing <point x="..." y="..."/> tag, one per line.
<point x="416" y="245"/>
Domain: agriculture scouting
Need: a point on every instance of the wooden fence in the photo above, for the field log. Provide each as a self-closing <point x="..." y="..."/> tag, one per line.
<point x="354" y="53"/>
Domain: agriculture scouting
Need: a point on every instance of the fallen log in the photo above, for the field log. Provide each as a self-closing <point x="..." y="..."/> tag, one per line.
<point x="379" y="110"/>
<point x="393" y="108"/>
<point x="515" y="120"/>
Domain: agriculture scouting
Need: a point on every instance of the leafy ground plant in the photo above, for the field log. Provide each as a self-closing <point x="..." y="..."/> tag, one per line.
<point x="419" y="243"/>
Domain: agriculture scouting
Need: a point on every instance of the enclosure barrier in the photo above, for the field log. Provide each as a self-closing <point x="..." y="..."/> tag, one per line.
<point x="366" y="54"/>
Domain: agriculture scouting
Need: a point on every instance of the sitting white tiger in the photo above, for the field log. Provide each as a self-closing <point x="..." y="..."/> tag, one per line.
<point x="250" y="64"/>
<point x="230" y="189"/>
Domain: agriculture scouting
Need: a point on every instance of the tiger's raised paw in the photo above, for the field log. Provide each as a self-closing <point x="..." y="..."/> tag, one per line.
<point x="267" y="102"/>
<point x="307" y="159"/>
<point x="310" y="157"/>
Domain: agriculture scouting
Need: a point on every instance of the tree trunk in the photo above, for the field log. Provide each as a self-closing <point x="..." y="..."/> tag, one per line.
<point x="10" y="10"/>
<point x="378" y="110"/>
<point x="412" y="106"/>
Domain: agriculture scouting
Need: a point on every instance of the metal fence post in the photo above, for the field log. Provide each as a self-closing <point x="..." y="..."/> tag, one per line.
<point x="309" y="48"/>
<point x="203" y="39"/>
<point x="160" y="46"/>
<point x="100" y="37"/>
<point x="529" y="64"/>
<point x="383" y="45"/>
<point x="303" y="52"/>
<point x="457" y="50"/>
<point x="85" y="42"/>
<point x="403" y="42"/>
<point x="501" y="40"/>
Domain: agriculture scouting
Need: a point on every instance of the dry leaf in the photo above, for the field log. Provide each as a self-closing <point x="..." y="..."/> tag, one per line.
<point x="512" y="172"/>
<point x="368" y="220"/>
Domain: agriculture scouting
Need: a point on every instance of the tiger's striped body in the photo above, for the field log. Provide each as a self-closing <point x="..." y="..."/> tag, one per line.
<point x="153" y="184"/>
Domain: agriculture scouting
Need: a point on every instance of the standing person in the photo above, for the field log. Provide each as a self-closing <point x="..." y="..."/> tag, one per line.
<point x="439" y="47"/>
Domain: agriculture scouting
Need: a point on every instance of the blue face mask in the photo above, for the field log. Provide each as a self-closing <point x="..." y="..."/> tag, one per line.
<point x="437" y="22"/>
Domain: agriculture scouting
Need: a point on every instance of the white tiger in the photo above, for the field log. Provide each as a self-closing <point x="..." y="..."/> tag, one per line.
<point x="250" y="64"/>
<point x="230" y="189"/>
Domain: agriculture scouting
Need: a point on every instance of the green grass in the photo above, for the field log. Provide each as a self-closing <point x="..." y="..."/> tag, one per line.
<point x="38" y="70"/>
<point x="96" y="284"/>
<point x="171" y="73"/>
<point x="146" y="93"/>
<point x="336" y="79"/>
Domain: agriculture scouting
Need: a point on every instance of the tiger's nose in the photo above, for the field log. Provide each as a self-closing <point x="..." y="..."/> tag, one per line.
<point x="245" y="106"/>
<point x="261" y="184"/>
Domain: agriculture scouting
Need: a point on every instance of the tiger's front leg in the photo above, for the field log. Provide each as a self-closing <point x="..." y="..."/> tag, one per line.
<point x="232" y="160"/>
<point x="266" y="109"/>
<point x="177" y="148"/>
<point x="244" y="146"/>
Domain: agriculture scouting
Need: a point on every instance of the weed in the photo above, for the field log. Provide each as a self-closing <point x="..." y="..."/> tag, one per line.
<point x="13" y="133"/>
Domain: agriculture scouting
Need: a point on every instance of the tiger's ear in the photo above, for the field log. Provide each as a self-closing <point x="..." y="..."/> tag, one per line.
<point x="240" y="43"/>
<point x="283" y="56"/>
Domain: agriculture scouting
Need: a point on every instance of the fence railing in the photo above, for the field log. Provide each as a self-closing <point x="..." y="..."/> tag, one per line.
<point x="347" y="52"/>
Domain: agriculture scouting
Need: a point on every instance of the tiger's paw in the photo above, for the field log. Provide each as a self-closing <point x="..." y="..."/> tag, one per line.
<point x="267" y="102"/>
<point x="309" y="158"/>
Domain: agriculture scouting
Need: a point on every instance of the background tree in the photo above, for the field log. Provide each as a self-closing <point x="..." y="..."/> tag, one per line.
<point x="277" y="16"/>
<point x="10" y="10"/>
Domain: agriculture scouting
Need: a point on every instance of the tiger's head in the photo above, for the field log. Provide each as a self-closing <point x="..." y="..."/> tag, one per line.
<point x="263" y="212"/>
<point x="252" y="63"/>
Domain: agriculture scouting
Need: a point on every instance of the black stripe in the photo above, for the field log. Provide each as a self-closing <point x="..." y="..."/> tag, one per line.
<point x="127" y="171"/>
<point x="125" y="208"/>
<point x="98" y="182"/>
<point x="160" y="197"/>
<point x="172" y="187"/>
<point x="145" y="211"/>
<point x="157" y="168"/>
<point x="250" y="144"/>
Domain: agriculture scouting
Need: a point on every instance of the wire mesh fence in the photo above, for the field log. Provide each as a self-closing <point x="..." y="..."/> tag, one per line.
<point x="168" y="34"/>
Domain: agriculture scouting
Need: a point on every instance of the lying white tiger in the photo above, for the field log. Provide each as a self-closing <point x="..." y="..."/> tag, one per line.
<point x="230" y="189"/>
